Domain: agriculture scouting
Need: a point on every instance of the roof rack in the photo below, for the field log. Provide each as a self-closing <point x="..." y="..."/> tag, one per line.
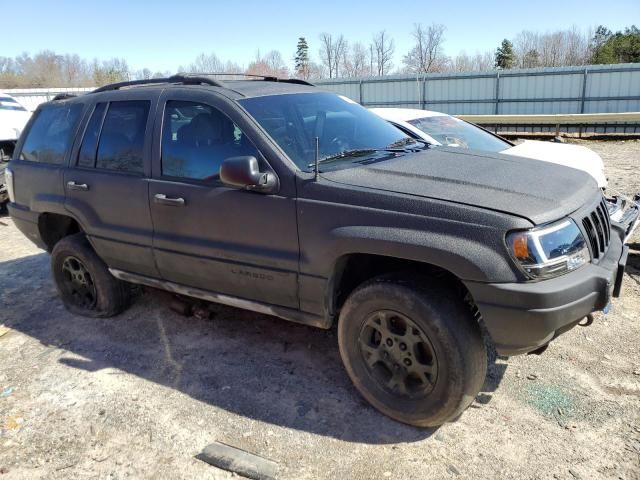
<point x="180" y="78"/>
<point x="193" y="79"/>
<point x="63" y="96"/>
<point x="265" y="78"/>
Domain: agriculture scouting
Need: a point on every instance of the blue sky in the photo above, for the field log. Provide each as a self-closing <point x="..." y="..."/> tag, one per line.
<point x="162" y="35"/>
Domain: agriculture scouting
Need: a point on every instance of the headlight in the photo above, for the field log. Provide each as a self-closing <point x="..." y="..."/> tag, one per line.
<point x="549" y="251"/>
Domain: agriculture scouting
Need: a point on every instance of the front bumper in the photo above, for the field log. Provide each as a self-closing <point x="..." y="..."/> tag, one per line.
<point x="522" y="317"/>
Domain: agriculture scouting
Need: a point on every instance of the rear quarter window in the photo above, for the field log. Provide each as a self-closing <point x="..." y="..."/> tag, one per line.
<point x="51" y="134"/>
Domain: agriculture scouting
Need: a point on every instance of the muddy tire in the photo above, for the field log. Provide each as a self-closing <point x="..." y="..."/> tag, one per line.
<point x="83" y="280"/>
<point x="413" y="349"/>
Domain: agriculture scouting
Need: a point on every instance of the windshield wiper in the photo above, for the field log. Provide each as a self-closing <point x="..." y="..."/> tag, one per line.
<point x="395" y="147"/>
<point x="354" y="152"/>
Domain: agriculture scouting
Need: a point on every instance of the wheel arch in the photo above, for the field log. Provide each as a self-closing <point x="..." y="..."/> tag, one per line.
<point x="353" y="269"/>
<point x="53" y="227"/>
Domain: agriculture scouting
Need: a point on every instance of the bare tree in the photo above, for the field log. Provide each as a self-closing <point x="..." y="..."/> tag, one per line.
<point x="524" y="44"/>
<point x="75" y="71"/>
<point x="577" y="47"/>
<point x="552" y="49"/>
<point x="276" y="63"/>
<point x="110" y="71"/>
<point x="272" y="64"/>
<point x="462" y="63"/>
<point x="43" y="69"/>
<point x="355" y="61"/>
<point x="427" y="54"/>
<point x="232" y="67"/>
<point x="205" y="63"/>
<point x="317" y="70"/>
<point x="332" y="52"/>
<point x="384" y="49"/>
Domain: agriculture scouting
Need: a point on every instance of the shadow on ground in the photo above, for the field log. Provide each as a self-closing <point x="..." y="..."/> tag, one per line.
<point x="253" y="365"/>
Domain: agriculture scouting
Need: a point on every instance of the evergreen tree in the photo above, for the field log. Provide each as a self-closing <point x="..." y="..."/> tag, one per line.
<point x="302" y="59"/>
<point x="619" y="47"/>
<point x="505" y="57"/>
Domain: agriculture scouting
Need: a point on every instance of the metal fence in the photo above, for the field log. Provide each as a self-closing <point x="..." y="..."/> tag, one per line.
<point x="565" y="90"/>
<point x="30" y="98"/>
<point x="562" y="90"/>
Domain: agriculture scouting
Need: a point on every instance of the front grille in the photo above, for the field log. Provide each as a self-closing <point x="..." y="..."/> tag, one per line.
<point x="598" y="229"/>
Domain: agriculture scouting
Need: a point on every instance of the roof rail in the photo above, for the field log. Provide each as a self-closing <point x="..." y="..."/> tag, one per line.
<point x="63" y="96"/>
<point x="180" y="78"/>
<point x="195" y="79"/>
<point x="266" y="78"/>
<point x="225" y="74"/>
<point x="297" y="81"/>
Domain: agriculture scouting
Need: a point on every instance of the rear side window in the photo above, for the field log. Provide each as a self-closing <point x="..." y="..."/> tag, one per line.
<point x="121" y="140"/>
<point x="51" y="133"/>
<point x="87" y="155"/>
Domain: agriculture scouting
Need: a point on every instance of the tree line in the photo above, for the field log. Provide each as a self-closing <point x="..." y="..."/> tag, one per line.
<point x="338" y="57"/>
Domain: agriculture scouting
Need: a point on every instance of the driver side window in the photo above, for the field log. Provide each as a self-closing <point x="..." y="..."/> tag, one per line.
<point x="197" y="138"/>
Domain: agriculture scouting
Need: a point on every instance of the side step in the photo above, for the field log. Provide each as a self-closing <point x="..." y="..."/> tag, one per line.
<point x="231" y="301"/>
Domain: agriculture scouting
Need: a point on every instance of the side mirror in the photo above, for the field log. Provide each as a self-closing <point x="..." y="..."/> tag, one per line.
<point x="243" y="172"/>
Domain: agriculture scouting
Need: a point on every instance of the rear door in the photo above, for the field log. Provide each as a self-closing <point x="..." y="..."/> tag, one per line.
<point x="39" y="160"/>
<point x="107" y="185"/>
<point x="207" y="235"/>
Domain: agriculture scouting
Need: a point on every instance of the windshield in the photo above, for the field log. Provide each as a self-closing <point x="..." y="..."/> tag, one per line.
<point x="453" y="132"/>
<point x="341" y="125"/>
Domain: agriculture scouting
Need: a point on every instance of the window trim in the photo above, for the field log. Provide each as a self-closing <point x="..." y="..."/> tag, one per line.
<point x="210" y="181"/>
<point x="95" y="168"/>
<point x="84" y="133"/>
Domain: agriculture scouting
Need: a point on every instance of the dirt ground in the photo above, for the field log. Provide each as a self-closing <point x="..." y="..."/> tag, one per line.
<point x="137" y="396"/>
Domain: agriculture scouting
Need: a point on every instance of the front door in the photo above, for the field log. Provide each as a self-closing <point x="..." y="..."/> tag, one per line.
<point x="106" y="183"/>
<point x="206" y="235"/>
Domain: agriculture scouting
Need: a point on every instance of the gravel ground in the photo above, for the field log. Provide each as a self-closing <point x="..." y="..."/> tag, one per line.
<point x="139" y="395"/>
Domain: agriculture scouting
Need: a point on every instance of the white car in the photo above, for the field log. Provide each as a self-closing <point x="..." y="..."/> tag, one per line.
<point x="13" y="118"/>
<point x="440" y="129"/>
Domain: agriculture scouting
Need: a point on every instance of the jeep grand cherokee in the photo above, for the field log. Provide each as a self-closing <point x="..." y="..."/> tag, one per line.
<point x="277" y="197"/>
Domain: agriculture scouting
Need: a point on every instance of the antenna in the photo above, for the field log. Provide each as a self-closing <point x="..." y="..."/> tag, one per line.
<point x="317" y="159"/>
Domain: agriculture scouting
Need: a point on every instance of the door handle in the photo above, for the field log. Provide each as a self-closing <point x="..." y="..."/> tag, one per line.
<point x="162" y="199"/>
<point x="77" y="186"/>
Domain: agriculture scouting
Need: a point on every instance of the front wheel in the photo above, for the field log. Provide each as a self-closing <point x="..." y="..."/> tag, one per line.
<point x="413" y="349"/>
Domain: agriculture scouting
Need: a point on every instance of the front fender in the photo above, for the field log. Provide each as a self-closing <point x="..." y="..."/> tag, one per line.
<point x="467" y="258"/>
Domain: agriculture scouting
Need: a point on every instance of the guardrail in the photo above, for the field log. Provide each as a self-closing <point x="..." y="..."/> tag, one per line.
<point x="629" y="120"/>
<point x="553" y="119"/>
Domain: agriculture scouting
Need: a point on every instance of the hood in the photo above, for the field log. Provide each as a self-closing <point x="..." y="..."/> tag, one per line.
<point x="538" y="191"/>
<point x="574" y="156"/>
<point x="12" y="123"/>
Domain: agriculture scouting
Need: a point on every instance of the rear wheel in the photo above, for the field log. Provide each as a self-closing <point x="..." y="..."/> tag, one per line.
<point x="412" y="349"/>
<point x="83" y="280"/>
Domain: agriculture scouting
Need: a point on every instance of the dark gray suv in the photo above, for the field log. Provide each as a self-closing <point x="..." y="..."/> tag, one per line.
<point x="277" y="197"/>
